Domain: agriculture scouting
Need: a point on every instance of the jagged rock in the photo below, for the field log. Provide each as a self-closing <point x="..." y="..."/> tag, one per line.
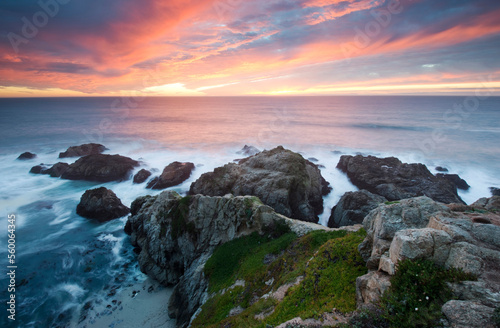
<point x="441" y="169"/>
<point x="37" y="169"/>
<point x="370" y="287"/>
<point x="281" y="178"/>
<point x="353" y="207"/>
<point x="394" y="180"/>
<point x="101" y="204"/>
<point x="492" y="203"/>
<point x="142" y="176"/>
<point x="83" y="150"/>
<point x="468" y="314"/>
<point x="382" y="224"/>
<point x="456" y="180"/>
<point x="495" y="191"/>
<point x="54" y="171"/>
<point x="101" y="168"/>
<point x="26" y="156"/>
<point x="248" y="151"/>
<point x="173" y="175"/>
<point x="475" y="291"/>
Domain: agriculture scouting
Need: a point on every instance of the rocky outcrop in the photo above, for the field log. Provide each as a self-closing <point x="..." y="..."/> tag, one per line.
<point x="101" y="204"/>
<point x="458" y="236"/>
<point x="101" y="168"/>
<point x="173" y="175"/>
<point x="456" y="180"/>
<point x="26" y="156"/>
<point x="248" y="151"/>
<point x="353" y="207"/>
<point x="495" y="191"/>
<point x="142" y="176"/>
<point x="83" y="150"/>
<point x="489" y="204"/>
<point x="281" y="178"/>
<point x="55" y="171"/>
<point x="394" y="180"/>
<point x="175" y="237"/>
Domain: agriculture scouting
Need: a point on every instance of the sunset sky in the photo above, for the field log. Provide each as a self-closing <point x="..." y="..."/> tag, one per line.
<point x="257" y="47"/>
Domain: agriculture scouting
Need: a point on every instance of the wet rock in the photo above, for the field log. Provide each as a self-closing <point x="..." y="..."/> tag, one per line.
<point x="281" y="178"/>
<point x="83" y="150"/>
<point x="142" y="176"/>
<point x="55" y="171"/>
<point x="353" y="207"/>
<point x="441" y="169"/>
<point x="173" y="175"/>
<point x="456" y="180"/>
<point x="495" y="191"/>
<point x="26" y="156"/>
<point x="394" y="180"/>
<point x="248" y="151"/>
<point x="101" y="168"/>
<point x="101" y="204"/>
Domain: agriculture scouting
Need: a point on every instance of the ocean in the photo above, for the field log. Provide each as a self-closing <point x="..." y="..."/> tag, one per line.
<point x="66" y="263"/>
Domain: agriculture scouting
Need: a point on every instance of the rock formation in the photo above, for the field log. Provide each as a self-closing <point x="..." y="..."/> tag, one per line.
<point x="248" y="151"/>
<point x="101" y="168"/>
<point x="173" y="175"/>
<point x="142" y="176"/>
<point x="54" y="171"/>
<point x="353" y="207"/>
<point x="281" y="178"/>
<point x="394" y="180"/>
<point x="419" y="228"/>
<point x="101" y="204"/>
<point x="26" y="156"/>
<point x="83" y="150"/>
<point x="495" y="191"/>
<point x="456" y="180"/>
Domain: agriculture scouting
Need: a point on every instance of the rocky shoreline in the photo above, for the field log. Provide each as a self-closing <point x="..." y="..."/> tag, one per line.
<point x="407" y="212"/>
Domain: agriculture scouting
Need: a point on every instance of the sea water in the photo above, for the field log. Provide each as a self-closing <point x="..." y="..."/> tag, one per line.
<point x="66" y="264"/>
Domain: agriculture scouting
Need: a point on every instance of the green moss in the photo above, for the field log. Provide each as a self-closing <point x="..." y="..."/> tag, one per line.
<point x="393" y="202"/>
<point x="418" y="291"/>
<point x="179" y="218"/>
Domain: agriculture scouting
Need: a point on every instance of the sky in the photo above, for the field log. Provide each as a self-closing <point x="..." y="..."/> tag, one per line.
<point x="242" y="48"/>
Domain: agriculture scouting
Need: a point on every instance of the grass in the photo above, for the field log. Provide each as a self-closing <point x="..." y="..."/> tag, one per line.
<point x="393" y="202"/>
<point x="329" y="262"/>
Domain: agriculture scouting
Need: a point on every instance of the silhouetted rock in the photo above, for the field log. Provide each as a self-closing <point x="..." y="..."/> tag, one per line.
<point x="353" y="207"/>
<point x="37" y="169"/>
<point x="495" y="191"/>
<point x="142" y="176"/>
<point x="456" y="180"/>
<point x="441" y="169"/>
<point x="26" y="156"/>
<point x="281" y="178"/>
<point x="101" y="204"/>
<point x="394" y="180"/>
<point x="248" y="151"/>
<point x="54" y="171"/>
<point x="173" y="175"/>
<point x="83" y="150"/>
<point x="101" y="168"/>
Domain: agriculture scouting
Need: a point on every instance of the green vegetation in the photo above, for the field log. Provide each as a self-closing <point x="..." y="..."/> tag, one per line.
<point x="179" y="218"/>
<point x="496" y="317"/>
<point x="328" y="262"/>
<point x="393" y="202"/>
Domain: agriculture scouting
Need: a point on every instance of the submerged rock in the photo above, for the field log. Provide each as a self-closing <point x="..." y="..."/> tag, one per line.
<point x="495" y="191"/>
<point x="441" y="169"/>
<point x="394" y="180"/>
<point x="142" y="176"/>
<point x="353" y="207"/>
<point x="456" y="180"/>
<point x="26" y="156"/>
<point x="101" y="168"/>
<point x="54" y="171"/>
<point x="281" y="178"/>
<point x="101" y="204"/>
<point x="173" y="175"/>
<point x="248" y="151"/>
<point x="83" y="150"/>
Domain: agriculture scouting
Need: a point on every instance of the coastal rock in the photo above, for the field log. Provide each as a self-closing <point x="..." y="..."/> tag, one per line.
<point x="489" y="204"/>
<point x="456" y="180"/>
<point x="83" y="150"/>
<point x="468" y="314"/>
<point x="142" y="176"/>
<point x="248" y="151"/>
<point x="101" y="168"/>
<point x="394" y="180"/>
<point x="281" y="178"/>
<point x="370" y="287"/>
<point x="26" y="156"/>
<point x="173" y="175"/>
<point x="37" y="169"/>
<point x="382" y="224"/>
<point x="101" y="204"/>
<point x="495" y="191"/>
<point x="353" y="207"/>
<point x="55" y="171"/>
<point x="175" y="237"/>
<point x="441" y="169"/>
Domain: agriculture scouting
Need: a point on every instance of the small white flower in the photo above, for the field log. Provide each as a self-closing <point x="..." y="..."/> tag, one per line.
<point x="427" y="297"/>
<point x="416" y="309"/>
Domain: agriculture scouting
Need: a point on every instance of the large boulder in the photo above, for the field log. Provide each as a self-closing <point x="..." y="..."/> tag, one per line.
<point x="83" y="150"/>
<point x="456" y="180"/>
<point x="26" y="156"/>
<point x="394" y="180"/>
<point x="353" y="207"/>
<point x="495" y="191"/>
<point x="173" y="175"/>
<point x="101" y="204"/>
<point x="101" y="168"/>
<point x="468" y="314"/>
<point x="54" y="171"/>
<point x="281" y="178"/>
<point x="142" y="176"/>
<point x="489" y="204"/>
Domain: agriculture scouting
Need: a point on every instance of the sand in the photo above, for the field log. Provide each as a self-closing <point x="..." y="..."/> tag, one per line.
<point x="142" y="305"/>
